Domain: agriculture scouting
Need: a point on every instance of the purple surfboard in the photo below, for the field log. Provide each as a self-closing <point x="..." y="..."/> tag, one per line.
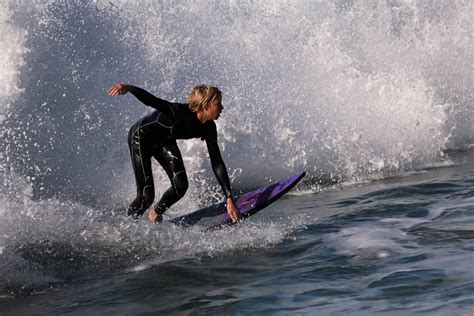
<point x="248" y="203"/>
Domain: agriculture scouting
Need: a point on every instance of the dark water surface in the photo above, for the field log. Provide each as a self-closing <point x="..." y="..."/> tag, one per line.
<point x="396" y="246"/>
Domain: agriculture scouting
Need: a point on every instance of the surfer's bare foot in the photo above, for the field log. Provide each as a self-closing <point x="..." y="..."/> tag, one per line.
<point x="154" y="216"/>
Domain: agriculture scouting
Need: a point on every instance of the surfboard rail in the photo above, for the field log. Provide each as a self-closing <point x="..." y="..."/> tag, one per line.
<point x="248" y="203"/>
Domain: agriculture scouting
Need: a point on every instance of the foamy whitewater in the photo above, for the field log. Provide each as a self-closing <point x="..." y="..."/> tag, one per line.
<point x="374" y="100"/>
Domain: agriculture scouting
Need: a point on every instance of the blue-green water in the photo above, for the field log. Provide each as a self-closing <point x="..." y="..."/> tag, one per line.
<point x="396" y="246"/>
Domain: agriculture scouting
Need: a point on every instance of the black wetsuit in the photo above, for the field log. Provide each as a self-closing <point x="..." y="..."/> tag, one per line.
<point x="155" y="136"/>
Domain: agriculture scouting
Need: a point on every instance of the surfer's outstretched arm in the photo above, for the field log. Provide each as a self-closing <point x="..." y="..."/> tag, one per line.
<point x="222" y="176"/>
<point x="144" y="96"/>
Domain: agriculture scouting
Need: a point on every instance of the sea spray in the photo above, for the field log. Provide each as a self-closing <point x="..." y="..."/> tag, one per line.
<point x="345" y="91"/>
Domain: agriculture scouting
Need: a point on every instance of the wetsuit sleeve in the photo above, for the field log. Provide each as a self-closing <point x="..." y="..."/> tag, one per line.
<point x="149" y="99"/>
<point x="217" y="163"/>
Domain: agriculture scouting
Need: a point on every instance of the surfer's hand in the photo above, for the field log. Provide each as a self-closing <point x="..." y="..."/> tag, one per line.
<point x="233" y="210"/>
<point x="119" y="89"/>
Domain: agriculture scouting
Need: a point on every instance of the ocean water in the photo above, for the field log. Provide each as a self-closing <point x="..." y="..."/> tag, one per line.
<point x="398" y="246"/>
<point x="374" y="100"/>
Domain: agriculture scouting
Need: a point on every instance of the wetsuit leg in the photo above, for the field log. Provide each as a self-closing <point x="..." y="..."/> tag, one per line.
<point x="141" y="161"/>
<point x="169" y="157"/>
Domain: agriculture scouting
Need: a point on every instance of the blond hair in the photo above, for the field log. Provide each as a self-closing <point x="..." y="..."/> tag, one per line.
<point x="201" y="97"/>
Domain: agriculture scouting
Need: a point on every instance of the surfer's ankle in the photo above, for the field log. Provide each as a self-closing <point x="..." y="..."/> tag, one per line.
<point x="154" y="216"/>
<point x="134" y="212"/>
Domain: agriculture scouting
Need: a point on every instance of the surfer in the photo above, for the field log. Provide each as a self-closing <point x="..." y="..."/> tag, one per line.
<point x="155" y="135"/>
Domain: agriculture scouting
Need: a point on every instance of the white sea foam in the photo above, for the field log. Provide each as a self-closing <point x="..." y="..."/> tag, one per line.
<point x="12" y="41"/>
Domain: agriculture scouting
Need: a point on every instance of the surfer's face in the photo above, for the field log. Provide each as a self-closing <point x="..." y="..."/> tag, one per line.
<point x="214" y="111"/>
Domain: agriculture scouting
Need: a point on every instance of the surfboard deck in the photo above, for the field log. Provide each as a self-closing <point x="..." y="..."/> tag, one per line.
<point x="249" y="203"/>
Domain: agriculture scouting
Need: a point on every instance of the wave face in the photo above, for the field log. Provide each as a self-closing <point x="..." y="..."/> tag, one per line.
<point x="344" y="90"/>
